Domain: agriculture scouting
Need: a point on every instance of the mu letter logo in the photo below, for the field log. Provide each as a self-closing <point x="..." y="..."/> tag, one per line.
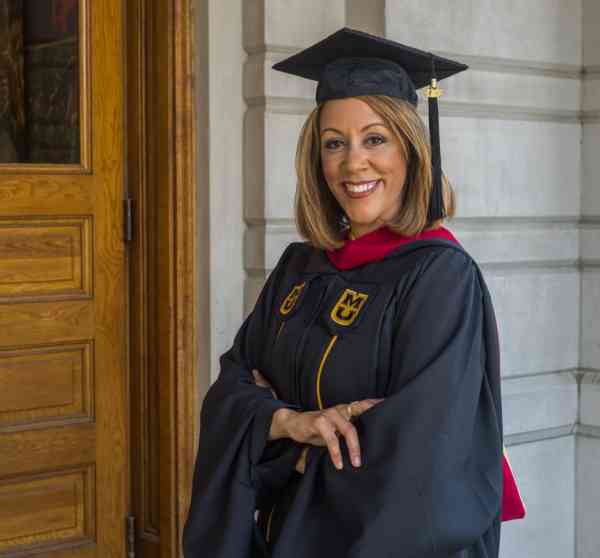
<point x="290" y="300"/>
<point x="348" y="306"/>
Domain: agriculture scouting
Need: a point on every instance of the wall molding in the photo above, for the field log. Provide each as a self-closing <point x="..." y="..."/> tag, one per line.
<point x="575" y="429"/>
<point x="270" y="233"/>
<point x="528" y="375"/>
<point x="534" y="222"/>
<point x="483" y="63"/>
<point x="591" y="72"/>
<point x="590" y="221"/>
<point x="269" y="48"/>
<point x="304" y="105"/>
<point x="282" y="105"/>
<point x="590" y="116"/>
<point x="506" y="112"/>
<point x="589" y="264"/>
<point x="587" y="431"/>
<point x="539" y="435"/>
<point x="531" y="266"/>
<point x="516" y="66"/>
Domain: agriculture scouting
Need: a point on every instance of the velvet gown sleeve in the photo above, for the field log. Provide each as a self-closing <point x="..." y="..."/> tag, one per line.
<point x="235" y="466"/>
<point x="431" y="481"/>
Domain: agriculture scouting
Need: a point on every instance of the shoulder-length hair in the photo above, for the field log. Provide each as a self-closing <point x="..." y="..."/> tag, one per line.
<point x="320" y="218"/>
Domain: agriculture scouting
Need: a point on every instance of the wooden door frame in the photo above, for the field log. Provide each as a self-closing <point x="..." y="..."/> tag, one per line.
<point x="161" y="153"/>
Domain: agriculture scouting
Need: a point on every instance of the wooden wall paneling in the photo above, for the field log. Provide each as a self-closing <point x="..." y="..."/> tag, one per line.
<point x="161" y="153"/>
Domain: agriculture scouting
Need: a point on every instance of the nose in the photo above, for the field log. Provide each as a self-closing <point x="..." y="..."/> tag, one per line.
<point x="356" y="159"/>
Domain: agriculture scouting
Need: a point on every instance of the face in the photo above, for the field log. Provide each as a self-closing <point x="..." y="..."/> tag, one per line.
<point x="363" y="163"/>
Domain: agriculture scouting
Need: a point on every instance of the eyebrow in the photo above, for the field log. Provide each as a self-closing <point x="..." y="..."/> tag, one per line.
<point x="362" y="129"/>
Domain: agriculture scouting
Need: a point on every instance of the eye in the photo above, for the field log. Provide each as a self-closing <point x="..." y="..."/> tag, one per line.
<point x="333" y="144"/>
<point x="375" y="140"/>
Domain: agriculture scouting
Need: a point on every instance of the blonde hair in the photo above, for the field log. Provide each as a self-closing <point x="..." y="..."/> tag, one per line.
<point x="318" y="213"/>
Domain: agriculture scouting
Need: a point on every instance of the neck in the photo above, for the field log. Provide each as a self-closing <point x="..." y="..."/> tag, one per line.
<point x="356" y="231"/>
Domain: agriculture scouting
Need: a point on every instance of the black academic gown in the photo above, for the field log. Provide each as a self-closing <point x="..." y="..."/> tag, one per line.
<point x="416" y="328"/>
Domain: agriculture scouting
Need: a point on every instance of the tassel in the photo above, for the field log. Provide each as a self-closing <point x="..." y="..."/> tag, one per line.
<point x="436" y="200"/>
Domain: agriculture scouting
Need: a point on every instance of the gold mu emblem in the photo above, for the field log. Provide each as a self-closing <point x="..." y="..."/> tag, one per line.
<point x="348" y="306"/>
<point x="290" y="300"/>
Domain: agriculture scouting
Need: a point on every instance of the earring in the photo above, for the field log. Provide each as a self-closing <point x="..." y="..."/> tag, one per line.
<point x="344" y="222"/>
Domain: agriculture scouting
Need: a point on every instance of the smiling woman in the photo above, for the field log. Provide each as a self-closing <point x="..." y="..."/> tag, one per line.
<point x="359" y="407"/>
<point x="366" y="162"/>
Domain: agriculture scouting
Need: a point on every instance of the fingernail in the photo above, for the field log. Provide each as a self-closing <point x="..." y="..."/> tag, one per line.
<point x="339" y="466"/>
<point x="356" y="461"/>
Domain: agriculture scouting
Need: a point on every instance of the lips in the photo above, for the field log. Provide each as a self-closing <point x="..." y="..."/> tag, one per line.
<point x="360" y="189"/>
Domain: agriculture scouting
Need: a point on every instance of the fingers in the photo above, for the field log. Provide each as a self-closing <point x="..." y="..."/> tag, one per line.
<point x="323" y="428"/>
<point x="326" y="427"/>
<point x="332" y="423"/>
<point x="359" y="407"/>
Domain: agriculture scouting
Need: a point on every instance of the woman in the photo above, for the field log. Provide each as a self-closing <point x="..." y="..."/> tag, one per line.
<point x="359" y="407"/>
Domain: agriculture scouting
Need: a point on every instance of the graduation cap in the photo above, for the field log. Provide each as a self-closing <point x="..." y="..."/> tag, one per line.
<point x="351" y="63"/>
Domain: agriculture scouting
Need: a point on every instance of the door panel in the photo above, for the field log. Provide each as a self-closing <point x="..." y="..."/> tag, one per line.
<point x="63" y="295"/>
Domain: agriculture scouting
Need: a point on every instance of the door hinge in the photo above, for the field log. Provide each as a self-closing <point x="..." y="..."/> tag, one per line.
<point x="128" y="220"/>
<point x="131" y="536"/>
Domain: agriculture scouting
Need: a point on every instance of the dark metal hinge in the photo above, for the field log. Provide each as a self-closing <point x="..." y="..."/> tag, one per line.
<point x="131" y="536"/>
<point x="128" y="220"/>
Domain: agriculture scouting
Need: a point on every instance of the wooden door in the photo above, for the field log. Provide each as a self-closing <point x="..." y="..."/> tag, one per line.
<point x="63" y="286"/>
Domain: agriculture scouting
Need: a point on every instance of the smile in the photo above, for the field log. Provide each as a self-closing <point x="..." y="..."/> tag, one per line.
<point x="360" y="189"/>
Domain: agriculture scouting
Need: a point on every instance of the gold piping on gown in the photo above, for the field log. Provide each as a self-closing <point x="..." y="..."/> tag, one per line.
<point x="320" y="371"/>
<point x="319" y="400"/>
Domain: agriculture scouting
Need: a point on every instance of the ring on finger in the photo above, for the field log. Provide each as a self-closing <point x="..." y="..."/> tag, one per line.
<point x="349" y="410"/>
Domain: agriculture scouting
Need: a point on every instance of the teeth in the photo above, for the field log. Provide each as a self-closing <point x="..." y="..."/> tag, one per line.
<point x="362" y="187"/>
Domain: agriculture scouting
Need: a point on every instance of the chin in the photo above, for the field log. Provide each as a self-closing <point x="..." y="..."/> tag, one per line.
<point x="364" y="220"/>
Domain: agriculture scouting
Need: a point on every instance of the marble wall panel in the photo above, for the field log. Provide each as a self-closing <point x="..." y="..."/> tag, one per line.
<point x="538" y="319"/>
<point x="590" y="318"/>
<point x="518" y="242"/>
<point x="513" y="168"/>
<point x="366" y="16"/>
<point x="536" y="30"/>
<point x="539" y="402"/>
<point x="591" y="92"/>
<point x="591" y="37"/>
<point x="508" y="89"/>
<point x="590" y="243"/>
<point x="588" y="496"/>
<point x="289" y="23"/>
<point x="545" y="473"/>
<point x="277" y="181"/>
<point x="590" y="196"/>
<point x="589" y="412"/>
<point x="261" y="81"/>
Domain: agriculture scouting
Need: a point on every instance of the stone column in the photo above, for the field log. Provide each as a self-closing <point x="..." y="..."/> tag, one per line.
<point x="588" y="440"/>
<point x="277" y="105"/>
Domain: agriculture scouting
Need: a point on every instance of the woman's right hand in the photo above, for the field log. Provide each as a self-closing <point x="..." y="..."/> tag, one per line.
<point x="322" y="428"/>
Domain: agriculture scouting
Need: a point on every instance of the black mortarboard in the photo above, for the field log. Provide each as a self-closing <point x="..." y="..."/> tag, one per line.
<point x="351" y="63"/>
